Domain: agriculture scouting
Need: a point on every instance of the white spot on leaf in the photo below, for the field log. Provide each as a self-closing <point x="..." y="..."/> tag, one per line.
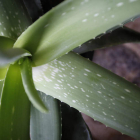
<point x="98" y="75"/>
<point x="84" y="20"/>
<point x="97" y="14"/>
<point x="119" y="4"/>
<point x="132" y="0"/>
<point x="127" y="90"/>
<point x="73" y="101"/>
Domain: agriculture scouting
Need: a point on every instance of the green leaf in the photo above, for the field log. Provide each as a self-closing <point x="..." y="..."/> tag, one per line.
<point x="46" y="126"/>
<point x="3" y="72"/>
<point x="1" y="85"/>
<point x="6" y="43"/>
<point x="26" y="74"/>
<point x="34" y="8"/>
<point x="116" y="37"/>
<point x="11" y="55"/>
<point x="73" y="125"/>
<point x="14" y="18"/>
<point x="92" y="90"/>
<point x="15" y="107"/>
<point x="72" y="23"/>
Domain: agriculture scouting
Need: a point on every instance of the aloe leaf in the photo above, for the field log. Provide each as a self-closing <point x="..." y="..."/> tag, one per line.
<point x="72" y="23"/>
<point x="73" y="125"/>
<point x="26" y="74"/>
<point x="46" y="126"/>
<point x="92" y="90"/>
<point x="15" y="107"/>
<point x="116" y="37"/>
<point x="11" y="55"/>
<point x="14" y="18"/>
<point x="34" y="8"/>
<point x="1" y="85"/>
<point x="6" y="43"/>
<point x="3" y="72"/>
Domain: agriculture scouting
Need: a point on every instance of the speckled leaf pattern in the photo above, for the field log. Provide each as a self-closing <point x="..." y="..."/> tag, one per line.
<point x="14" y="18"/>
<point x="116" y="37"/>
<point x="72" y="23"/>
<point x="46" y="126"/>
<point x="73" y="125"/>
<point x="15" y="108"/>
<point x="92" y="90"/>
<point x="11" y="55"/>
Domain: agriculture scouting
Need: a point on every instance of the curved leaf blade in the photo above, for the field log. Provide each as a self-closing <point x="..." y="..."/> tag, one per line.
<point x="26" y="74"/>
<point x="3" y="72"/>
<point x="6" y="43"/>
<point x="92" y="90"/>
<point x="15" y="107"/>
<point x="1" y="85"/>
<point x="73" y="125"/>
<point x="11" y="55"/>
<point x="14" y="18"/>
<point x="116" y="37"/>
<point x="46" y="126"/>
<point x="72" y="23"/>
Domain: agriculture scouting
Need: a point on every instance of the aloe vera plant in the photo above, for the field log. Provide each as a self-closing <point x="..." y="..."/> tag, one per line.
<point x="38" y="56"/>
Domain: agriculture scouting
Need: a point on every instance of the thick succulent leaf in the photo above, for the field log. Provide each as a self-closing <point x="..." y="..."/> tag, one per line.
<point x="6" y="43"/>
<point x="14" y="18"/>
<point x="46" y="126"/>
<point x="26" y="74"/>
<point x="34" y="8"/>
<point x="11" y="55"/>
<point x="72" y="23"/>
<point x="116" y="37"/>
<point x="92" y="90"/>
<point x="15" y="107"/>
<point x="1" y="85"/>
<point x="73" y="125"/>
<point x="3" y="72"/>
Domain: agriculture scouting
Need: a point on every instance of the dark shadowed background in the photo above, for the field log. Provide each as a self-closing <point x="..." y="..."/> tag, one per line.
<point x="124" y="60"/>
